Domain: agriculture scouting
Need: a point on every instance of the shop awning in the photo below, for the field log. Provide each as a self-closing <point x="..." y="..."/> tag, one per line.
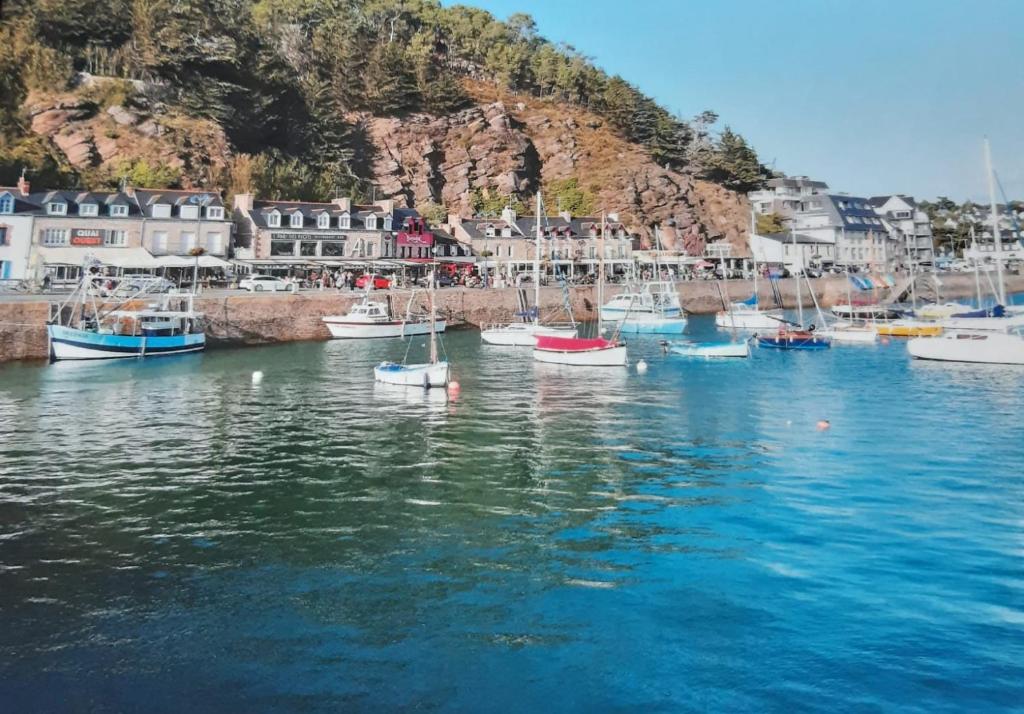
<point x="115" y="257"/>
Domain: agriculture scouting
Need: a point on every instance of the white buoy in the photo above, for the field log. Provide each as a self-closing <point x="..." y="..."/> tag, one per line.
<point x="641" y="367"/>
<point x="257" y="377"/>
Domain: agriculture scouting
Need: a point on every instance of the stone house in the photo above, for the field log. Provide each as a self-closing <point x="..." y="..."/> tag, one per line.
<point x="175" y="222"/>
<point x="279" y="235"/>
<point x="569" y="245"/>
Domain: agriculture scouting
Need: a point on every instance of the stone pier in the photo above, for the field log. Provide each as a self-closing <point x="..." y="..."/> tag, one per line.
<point x="253" y="319"/>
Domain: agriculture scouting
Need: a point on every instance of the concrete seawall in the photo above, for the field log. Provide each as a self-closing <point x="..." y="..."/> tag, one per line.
<point x="244" y="319"/>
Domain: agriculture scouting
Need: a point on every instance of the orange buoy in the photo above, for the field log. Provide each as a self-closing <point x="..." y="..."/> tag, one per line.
<point x="884" y="340"/>
<point x="454" y="388"/>
<point x="823" y="424"/>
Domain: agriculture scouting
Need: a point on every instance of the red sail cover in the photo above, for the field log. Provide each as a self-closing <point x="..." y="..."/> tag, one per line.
<point x="571" y="344"/>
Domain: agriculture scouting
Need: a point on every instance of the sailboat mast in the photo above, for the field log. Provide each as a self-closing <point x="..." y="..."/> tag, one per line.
<point x="600" y="274"/>
<point x="536" y="269"/>
<point x="998" y="243"/>
<point x="799" y="297"/>
<point x="430" y="293"/>
<point x="753" y="253"/>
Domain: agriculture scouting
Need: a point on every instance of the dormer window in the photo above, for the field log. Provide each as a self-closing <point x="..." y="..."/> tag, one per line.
<point x="506" y="232"/>
<point x="119" y="210"/>
<point x="190" y="212"/>
<point x="274" y="219"/>
<point x="371" y="222"/>
<point x="6" y="203"/>
<point x="489" y="231"/>
<point x="344" y="221"/>
<point x="162" y="210"/>
<point x="387" y="223"/>
<point x="56" y="208"/>
<point x="296" y="220"/>
<point x="88" y="209"/>
<point x="215" y="213"/>
<point x="323" y="221"/>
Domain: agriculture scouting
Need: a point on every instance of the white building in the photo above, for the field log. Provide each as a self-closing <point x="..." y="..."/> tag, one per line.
<point x="792" y="251"/>
<point x="783" y="196"/>
<point x="908" y="225"/>
<point x="860" y="237"/>
<point x="16" y="218"/>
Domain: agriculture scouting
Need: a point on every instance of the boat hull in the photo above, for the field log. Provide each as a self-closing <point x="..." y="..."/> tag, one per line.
<point x="711" y="350"/>
<point x="412" y="375"/>
<point x="67" y="343"/>
<point x="909" y="328"/>
<point x="747" y="320"/>
<point x="651" y="325"/>
<point x="598" y="357"/>
<point x="850" y="335"/>
<point x="342" y="329"/>
<point x="522" y="334"/>
<point x="866" y="312"/>
<point x="615" y="314"/>
<point x="793" y="342"/>
<point x="994" y="348"/>
<point x="983" y="324"/>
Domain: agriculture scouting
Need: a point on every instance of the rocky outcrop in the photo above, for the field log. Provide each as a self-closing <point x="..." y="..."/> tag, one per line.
<point x="94" y="137"/>
<point x="516" y="147"/>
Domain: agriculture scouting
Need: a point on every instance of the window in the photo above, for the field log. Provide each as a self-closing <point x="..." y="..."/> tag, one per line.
<point x="188" y="242"/>
<point x="387" y="223"/>
<point x="332" y="248"/>
<point x="5" y="269"/>
<point x="323" y="221"/>
<point x="274" y="219"/>
<point x="160" y="242"/>
<point x="344" y="221"/>
<point x="88" y="209"/>
<point x="3" y="235"/>
<point x="116" y="238"/>
<point x="162" y="210"/>
<point x="119" y="210"/>
<point x="282" y="247"/>
<point x="296" y="221"/>
<point x="189" y="212"/>
<point x="6" y="203"/>
<point x="307" y="247"/>
<point x="215" y="242"/>
<point x="215" y="213"/>
<point x="369" y="250"/>
<point x="371" y="222"/>
<point x="57" y="209"/>
<point x="55" y="236"/>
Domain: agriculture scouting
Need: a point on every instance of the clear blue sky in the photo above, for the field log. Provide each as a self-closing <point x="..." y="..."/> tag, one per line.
<point x="872" y="96"/>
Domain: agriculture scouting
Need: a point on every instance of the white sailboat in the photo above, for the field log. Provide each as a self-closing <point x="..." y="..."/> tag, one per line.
<point x="579" y="351"/>
<point x="525" y="333"/>
<point x="434" y="373"/>
<point x="747" y="314"/>
<point x="843" y="331"/>
<point x="653" y="309"/>
<point x="980" y="340"/>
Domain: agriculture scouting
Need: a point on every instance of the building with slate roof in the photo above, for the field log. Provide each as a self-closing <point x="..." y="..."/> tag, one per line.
<point x="570" y="244"/>
<point x="861" y="238"/>
<point x="783" y="196"/>
<point x="908" y="224"/>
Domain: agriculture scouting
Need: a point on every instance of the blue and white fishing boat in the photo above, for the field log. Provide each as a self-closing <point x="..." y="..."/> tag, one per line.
<point x="102" y="319"/>
<point x="711" y="350"/>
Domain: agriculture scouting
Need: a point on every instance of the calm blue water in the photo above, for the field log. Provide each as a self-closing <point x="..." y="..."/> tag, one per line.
<point x="174" y="539"/>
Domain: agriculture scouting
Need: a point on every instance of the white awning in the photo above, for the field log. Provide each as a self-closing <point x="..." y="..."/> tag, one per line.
<point x="175" y="261"/>
<point x="115" y="257"/>
<point x="211" y="261"/>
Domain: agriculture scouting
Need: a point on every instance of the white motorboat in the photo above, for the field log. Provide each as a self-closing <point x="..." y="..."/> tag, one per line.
<point x="983" y="324"/>
<point x="975" y="347"/>
<point x="934" y="311"/>
<point x="373" y="319"/>
<point x="658" y="298"/>
<point x="524" y="334"/>
<point x="711" y="350"/>
<point x="866" y="312"/>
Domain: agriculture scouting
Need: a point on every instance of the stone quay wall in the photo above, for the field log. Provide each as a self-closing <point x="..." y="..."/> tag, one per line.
<point x="266" y="318"/>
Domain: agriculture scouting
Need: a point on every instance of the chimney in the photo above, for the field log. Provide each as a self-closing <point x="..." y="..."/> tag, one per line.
<point x="243" y="201"/>
<point x="387" y="205"/>
<point x="566" y="215"/>
<point x="613" y="217"/>
<point x="23" y="184"/>
<point x="344" y="204"/>
<point x="508" y="215"/>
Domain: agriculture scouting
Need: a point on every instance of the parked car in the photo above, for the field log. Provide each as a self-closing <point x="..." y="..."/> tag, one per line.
<point x="379" y="281"/>
<point x="444" y="280"/>
<point x="259" y="283"/>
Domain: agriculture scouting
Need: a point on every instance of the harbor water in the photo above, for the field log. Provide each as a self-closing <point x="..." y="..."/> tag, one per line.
<point x="174" y="537"/>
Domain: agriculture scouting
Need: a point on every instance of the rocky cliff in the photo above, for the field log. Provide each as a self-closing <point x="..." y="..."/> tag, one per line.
<point x="501" y="143"/>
